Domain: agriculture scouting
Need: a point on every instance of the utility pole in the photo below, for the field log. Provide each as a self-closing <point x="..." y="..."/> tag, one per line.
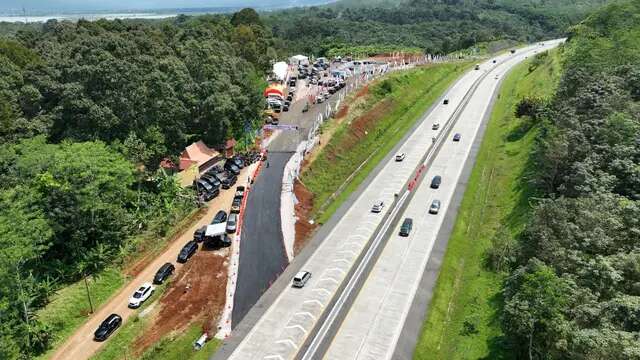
<point x="86" y="285"/>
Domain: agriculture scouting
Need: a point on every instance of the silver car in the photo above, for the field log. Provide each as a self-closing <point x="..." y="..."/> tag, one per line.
<point x="232" y="222"/>
<point x="377" y="207"/>
<point x="435" y="207"/>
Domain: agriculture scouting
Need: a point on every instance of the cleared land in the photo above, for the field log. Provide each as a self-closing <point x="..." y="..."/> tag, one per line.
<point x="463" y="318"/>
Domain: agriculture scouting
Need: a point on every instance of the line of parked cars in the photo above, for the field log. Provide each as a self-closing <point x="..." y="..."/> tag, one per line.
<point x="225" y="176"/>
<point x="213" y="235"/>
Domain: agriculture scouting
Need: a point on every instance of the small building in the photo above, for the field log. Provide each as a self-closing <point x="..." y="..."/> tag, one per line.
<point x="196" y="159"/>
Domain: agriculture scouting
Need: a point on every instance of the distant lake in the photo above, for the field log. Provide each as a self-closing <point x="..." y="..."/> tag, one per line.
<point x="74" y="17"/>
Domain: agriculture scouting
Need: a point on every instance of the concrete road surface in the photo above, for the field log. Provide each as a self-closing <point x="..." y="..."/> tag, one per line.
<point x="289" y="328"/>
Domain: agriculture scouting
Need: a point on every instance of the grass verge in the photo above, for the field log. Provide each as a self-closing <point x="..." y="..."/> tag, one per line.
<point x="463" y="318"/>
<point x="395" y="103"/>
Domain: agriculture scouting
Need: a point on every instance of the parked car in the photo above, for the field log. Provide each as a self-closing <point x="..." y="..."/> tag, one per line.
<point x="400" y="156"/>
<point x="203" y="186"/>
<point x="221" y="216"/>
<point x="289" y="97"/>
<point x="301" y="279"/>
<point x="435" y="126"/>
<point x="232" y="222"/>
<point x="319" y="99"/>
<point x="209" y="195"/>
<point x="198" y="235"/>
<point x="305" y="108"/>
<point x="377" y="207"/>
<point x="435" y="207"/>
<point x="107" y="327"/>
<point x="229" y="181"/>
<point x="187" y="251"/>
<point x="141" y="295"/>
<point x="163" y="273"/>
<point x="406" y="227"/>
<point x="477" y="67"/>
<point x="232" y="168"/>
<point x="211" y="179"/>
<point x="239" y="191"/>
<point x="436" y="181"/>
<point x="237" y="161"/>
<point x="235" y="205"/>
<point x="457" y="136"/>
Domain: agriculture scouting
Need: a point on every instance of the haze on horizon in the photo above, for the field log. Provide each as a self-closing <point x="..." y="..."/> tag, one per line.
<point x="100" y="5"/>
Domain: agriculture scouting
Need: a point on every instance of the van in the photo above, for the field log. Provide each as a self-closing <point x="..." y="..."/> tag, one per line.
<point x="301" y="279"/>
<point x="406" y="227"/>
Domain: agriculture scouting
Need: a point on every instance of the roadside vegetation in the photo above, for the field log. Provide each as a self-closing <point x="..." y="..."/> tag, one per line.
<point x="87" y="112"/>
<point x="390" y="108"/>
<point x="463" y="321"/>
<point x="549" y="269"/>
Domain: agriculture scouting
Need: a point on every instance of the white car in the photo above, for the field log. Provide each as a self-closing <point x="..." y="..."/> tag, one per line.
<point x="377" y="207"/>
<point x="301" y="279"/>
<point x="400" y="156"/>
<point x="319" y="99"/>
<point x="141" y="295"/>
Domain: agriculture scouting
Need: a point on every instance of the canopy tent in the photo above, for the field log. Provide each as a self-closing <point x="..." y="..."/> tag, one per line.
<point x="216" y="230"/>
<point x="280" y="70"/>
<point x="299" y="60"/>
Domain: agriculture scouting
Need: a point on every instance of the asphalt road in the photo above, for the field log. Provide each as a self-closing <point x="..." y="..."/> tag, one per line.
<point x="262" y="255"/>
<point x="295" y="314"/>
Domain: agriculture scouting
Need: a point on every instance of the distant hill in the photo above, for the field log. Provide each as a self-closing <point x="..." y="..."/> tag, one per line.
<point x="435" y="26"/>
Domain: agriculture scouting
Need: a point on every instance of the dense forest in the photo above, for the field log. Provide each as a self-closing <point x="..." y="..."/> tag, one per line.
<point x="435" y="26"/>
<point x="87" y="112"/>
<point x="574" y="289"/>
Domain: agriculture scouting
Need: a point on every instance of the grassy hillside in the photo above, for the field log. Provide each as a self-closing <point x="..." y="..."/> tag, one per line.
<point x="463" y="317"/>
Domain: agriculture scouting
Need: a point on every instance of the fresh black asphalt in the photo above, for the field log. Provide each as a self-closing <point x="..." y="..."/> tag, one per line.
<point x="262" y="255"/>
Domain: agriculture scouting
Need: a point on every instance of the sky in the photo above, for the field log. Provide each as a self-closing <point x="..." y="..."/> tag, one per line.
<point x="94" y="5"/>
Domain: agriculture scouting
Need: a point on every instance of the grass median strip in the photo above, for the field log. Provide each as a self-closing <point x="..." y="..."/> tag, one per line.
<point x="392" y="107"/>
<point x="463" y="317"/>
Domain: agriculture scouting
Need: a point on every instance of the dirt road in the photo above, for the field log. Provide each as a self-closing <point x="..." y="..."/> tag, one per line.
<point x="81" y="345"/>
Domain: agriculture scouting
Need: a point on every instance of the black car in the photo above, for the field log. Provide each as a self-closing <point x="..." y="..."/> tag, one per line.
<point x="203" y="186"/>
<point x="435" y="183"/>
<point x="405" y="229"/>
<point x="229" y="181"/>
<point x="209" y="195"/>
<point x="236" y="205"/>
<point x="285" y="108"/>
<point x="163" y="273"/>
<point x="221" y="216"/>
<point x="238" y="161"/>
<point x="211" y="179"/>
<point x="108" y="326"/>
<point x="187" y="251"/>
<point x="232" y="168"/>
<point x="198" y="235"/>
<point x="290" y="97"/>
<point x="446" y="102"/>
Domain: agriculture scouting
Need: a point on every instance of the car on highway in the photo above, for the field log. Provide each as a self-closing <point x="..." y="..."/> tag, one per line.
<point x="163" y="273"/>
<point x="235" y="205"/>
<point x="435" y="207"/>
<point x="187" y="251"/>
<point x="232" y="223"/>
<point x="446" y="102"/>
<point x="457" y="137"/>
<point x="377" y="207"/>
<point x="301" y="279"/>
<point x="198" y="235"/>
<point x="143" y="293"/>
<point x="435" y="126"/>
<point x="400" y="156"/>
<point x="494" y="61"/>
<point x="436" y="181"/>
<point x="221" y="216"/>
<point x="107" y="327"/>
<point x="406" y="227"/>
